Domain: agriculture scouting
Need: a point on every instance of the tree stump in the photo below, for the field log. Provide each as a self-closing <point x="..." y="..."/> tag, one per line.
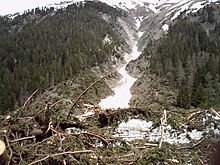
<point x="3" y="156"/>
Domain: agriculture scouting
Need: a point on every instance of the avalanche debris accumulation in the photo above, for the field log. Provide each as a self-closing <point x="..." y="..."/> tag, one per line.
<point x="101" y="135"/>
<point x="141" y="129"/>
<point x="115" y="131"/>
<point x="122" y="93"/>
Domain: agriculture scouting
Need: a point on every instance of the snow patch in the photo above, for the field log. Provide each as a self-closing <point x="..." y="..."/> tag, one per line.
<point x="153" y="8"/>
<point x="133" y="129"/>
<point x="11" y="6"/>
<point x="170" y="135"/>
<point x="140" y="34"/>
<point x="20" y="6"/>
<point x="184" y="6"/>
<point x="165" y="27"/>
<point x="141" y="129"/>
<point x="195" y="135"/>
<point x="107" y="39"/>
<point x="138" y="22"/>
<point x="124" y="4"/>
<point x="122" y="93"/>
<point x="198" y="5"/>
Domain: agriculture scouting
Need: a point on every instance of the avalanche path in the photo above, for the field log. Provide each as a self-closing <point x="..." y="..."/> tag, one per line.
<point x="122" y="93"/>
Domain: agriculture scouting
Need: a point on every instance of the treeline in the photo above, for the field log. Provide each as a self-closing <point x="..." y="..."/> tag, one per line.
<point x="189" y="58"/>
<point x="43" y="47"/>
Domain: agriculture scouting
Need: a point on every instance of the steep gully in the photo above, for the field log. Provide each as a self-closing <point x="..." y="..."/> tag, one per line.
<point x="137" y="128"/>
<point x="122" y="93"/>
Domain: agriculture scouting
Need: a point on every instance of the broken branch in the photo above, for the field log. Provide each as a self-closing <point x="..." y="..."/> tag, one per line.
<point x="23" y="107"/>
<point x="216" y="113"/>
<point x="24" y="138"/>
<point x="163" y="123"/>
<point x="77" y="99"/>
<point x="58" y="154"/>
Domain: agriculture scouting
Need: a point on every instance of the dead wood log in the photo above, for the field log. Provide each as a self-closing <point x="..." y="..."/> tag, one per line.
<point x="163" y="124"/>
<point x="216" y="113"/>
<point x="3" y="158"/>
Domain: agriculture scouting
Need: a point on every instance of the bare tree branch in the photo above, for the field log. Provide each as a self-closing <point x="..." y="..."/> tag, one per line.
<point x="163" y="120"/>
<point x="216" y="113"/>
<point x="58" y="154"/>
<point x="23" y="107"/>
<point x="77" y="99"/>
<point x="8" y="146"/>
<point x="24" y="138"/>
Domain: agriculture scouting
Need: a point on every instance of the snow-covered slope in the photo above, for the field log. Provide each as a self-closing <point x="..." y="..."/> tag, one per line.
<point x="11" y="7"/>
<point x="153" y="4"/>
<point x="19" y="6"/>
<point x="161" y="14"/>
<point x="155" y="15"/>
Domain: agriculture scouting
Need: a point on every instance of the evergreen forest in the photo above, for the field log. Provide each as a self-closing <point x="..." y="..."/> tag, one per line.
<point x="189" y="58"/>
<point x="43" y="47"/>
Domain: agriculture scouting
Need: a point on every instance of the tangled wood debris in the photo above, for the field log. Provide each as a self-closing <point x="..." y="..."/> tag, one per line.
<point x="46" y="137"/>
<point x="37" y="140"/>
<point x="42" y="137"/>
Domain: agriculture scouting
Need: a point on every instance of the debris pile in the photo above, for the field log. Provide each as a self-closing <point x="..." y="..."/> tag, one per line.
<point x="96" y="137"/>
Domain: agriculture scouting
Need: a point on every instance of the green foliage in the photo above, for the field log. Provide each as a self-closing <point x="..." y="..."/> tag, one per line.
<point x="199" y="96"/>
<point x="189" y="58"/>
<point x="42" y="47"/>
<point x="184" y="98"/>
<point x="157" y="155"/>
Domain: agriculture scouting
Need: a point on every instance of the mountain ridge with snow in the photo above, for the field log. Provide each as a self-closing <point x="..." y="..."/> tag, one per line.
<point x="22" y="6"/>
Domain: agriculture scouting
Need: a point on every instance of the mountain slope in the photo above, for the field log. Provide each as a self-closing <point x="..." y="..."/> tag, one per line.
<point x="44" y="47"/>
<point x="43" y="39"/>
<point x="65" y="53"/>
<point x="185" y="62"/>
<point x="156" y="23"/>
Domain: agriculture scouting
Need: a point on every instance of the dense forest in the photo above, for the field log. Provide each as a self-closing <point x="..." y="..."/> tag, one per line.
<point x="189" y="58"/>
<point x="43" y="47"/>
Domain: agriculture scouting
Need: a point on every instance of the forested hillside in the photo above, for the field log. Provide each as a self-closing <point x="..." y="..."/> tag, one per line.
<point x="189" y="58"/>
<point x="42" y="47"/>
<point x="57" y="66"/>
